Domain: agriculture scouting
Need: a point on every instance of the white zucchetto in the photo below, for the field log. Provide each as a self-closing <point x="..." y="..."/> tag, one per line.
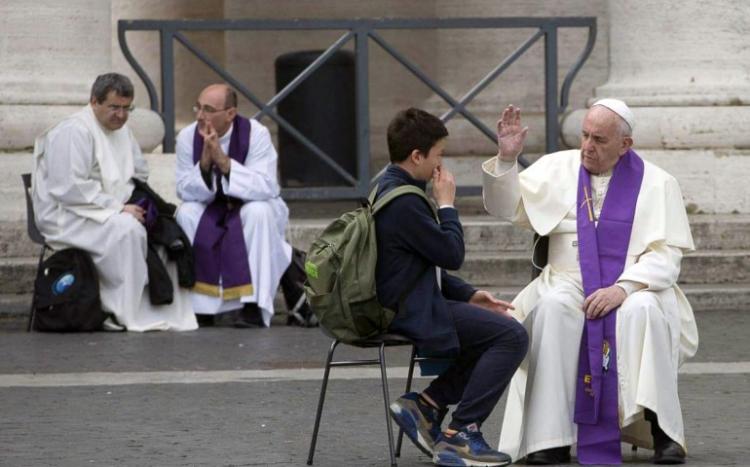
<point x="620" y="108"/>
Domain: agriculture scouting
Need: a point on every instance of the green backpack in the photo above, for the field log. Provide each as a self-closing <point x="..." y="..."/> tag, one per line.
<point x="340" y="269"/>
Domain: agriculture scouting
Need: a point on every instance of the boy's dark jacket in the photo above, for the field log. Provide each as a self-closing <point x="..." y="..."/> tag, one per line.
<point x="410" y="244"/>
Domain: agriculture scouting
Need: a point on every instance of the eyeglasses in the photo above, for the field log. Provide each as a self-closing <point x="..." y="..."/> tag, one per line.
<point x="124" y="108"/>
<point x="207" y="109"/>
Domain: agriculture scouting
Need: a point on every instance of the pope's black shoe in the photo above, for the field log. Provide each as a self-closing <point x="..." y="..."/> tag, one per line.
<point x="550" y="456"/>
<point x="669" y="452"/>
<point x="666" y="450"/>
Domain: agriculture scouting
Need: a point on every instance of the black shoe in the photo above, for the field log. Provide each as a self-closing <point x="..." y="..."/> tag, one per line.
<point x="666" y="450"/>
<point x="248" y="317"/>
<point x="205" y="321"/>
<point x="549" y="456"/>
<point x="669" y="453"/>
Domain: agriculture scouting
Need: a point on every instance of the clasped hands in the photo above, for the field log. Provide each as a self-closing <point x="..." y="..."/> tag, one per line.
<point x="212" y="153"/>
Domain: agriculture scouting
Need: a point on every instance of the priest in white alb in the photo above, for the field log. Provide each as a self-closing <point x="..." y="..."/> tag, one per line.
<point x="607" y="323"/>
<point x="82" y="185"/>
<point x="232" y="210"/>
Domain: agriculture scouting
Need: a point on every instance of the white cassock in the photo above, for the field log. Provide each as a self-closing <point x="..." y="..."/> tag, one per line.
<point x="656" y="328"/>
<point x="82" y="178"/>
<point x="264" y="214"/>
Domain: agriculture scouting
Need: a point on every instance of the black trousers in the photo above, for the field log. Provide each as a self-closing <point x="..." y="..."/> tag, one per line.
<point x="492" y="348"/>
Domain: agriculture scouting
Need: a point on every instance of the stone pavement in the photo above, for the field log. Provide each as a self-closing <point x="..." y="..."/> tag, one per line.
<point x="231" y="397"/>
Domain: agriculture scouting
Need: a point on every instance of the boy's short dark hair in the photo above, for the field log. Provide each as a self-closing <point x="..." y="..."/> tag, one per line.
<point x="413" y="129"/>
<point x="108" y="82"/>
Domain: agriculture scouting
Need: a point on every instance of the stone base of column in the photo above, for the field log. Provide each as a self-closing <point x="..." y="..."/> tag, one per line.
<point x="713" y="181"/>
<point x="679" y="127"/>
<point x="21" y="124"/>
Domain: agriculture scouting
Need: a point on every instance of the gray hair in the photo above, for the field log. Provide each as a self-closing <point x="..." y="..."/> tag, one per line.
<point x="231" y="98"/>
<point x="625" y="129"/>
<point x="108" y="82"/>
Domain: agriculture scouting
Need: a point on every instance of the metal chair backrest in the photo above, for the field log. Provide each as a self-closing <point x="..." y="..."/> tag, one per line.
<point x="34" y="234"/>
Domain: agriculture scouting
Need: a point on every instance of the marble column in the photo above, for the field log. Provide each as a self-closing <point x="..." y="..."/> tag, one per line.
<point x="51" y="52"/>
<point x="684" y="69"/>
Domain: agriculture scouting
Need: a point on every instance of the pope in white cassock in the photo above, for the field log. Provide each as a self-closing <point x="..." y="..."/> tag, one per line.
<point x="232" y="210"/>
<point x="607" y="323"/>
<point x="82" y="181"/>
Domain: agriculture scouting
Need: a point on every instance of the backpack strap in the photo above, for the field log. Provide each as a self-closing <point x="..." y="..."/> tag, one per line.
<point x="395" y="193"/>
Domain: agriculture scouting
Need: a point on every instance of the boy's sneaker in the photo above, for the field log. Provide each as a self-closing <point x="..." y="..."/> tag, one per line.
<point x="420" y="421"/>
<point x="467" y="447"/>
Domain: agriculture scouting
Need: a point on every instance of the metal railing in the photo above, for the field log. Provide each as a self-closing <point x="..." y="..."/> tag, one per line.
<point x="361" y="31"/>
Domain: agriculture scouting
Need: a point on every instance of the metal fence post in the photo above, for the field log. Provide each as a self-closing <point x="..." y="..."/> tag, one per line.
<point x="167" y="88"/>
<point x="550" y="87"/>
<point x="362" y="113"/>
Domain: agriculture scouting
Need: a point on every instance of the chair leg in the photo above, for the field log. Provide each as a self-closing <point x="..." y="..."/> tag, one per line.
<point x="409" y="377"/>
<point x="32" y="311"/>
<point x="321" y="399"/>
<point x="387" y="402"/>
<point x="31" y="314"/>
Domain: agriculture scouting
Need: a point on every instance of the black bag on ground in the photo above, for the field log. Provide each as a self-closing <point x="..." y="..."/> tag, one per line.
<point x="66" y="294"/>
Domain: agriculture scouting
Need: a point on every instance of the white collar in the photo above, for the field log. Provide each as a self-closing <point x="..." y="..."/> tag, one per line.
<point x="225" y="139"/>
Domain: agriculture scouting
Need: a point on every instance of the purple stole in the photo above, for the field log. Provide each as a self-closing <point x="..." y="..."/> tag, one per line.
<point x="219" y="244"/>
<point x="602" y="249"/>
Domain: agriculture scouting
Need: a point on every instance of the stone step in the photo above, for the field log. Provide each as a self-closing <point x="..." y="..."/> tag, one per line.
<point x="481" y="233"/>
<point x="485" y="233"/>
<point x="720" y="231"/>
<point x="17" y="274"/>
<point x="510" y="268"/>
<point x="712" y="266"/>
<point x="14" y="308"/>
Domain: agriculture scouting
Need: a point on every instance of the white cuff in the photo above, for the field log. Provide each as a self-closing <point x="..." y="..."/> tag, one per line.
<point x="629" y="286"/>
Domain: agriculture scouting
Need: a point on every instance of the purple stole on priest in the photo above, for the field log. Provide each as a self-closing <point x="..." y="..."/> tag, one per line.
<point x="602" y="250"/>
<point x="219" y="244"/>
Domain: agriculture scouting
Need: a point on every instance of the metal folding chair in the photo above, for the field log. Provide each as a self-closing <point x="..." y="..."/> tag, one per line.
<point x="380" y="342"/>
<point x="34" y="235"/>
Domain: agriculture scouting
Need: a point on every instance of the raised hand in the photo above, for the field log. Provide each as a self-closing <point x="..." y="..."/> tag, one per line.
<point x="510" y="134"/>
<point x="443" y="186"/>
